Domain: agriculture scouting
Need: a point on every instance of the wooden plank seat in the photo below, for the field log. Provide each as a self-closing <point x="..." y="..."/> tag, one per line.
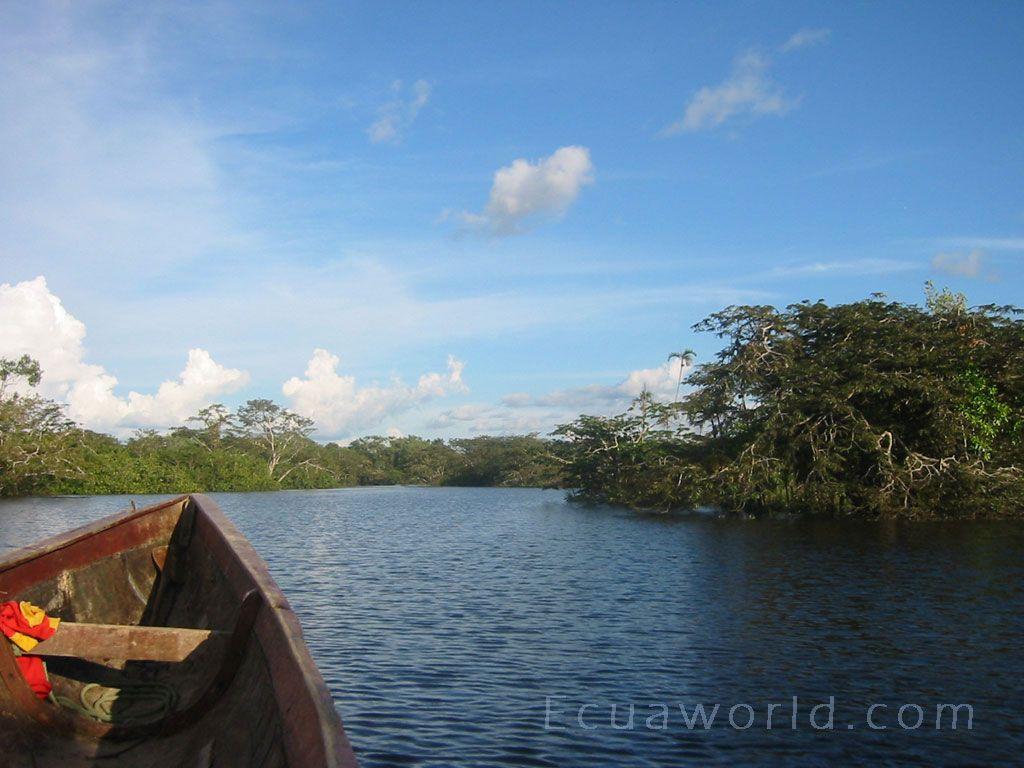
<point x="128" y="642"/>
<point x="232" y="653"/>
<point x="249" y="698"/>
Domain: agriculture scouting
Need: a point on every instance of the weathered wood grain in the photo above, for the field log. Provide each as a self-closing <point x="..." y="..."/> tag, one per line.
<point x="118" y="641"/>
<point x="188" y="602"/>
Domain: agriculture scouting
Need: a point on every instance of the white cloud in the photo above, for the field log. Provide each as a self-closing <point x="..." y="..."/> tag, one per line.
<point x="660" y="381"/>
<point x="91" y="400"/>
<point x="480" y="419"/>
<point x="805" y="38"/>
<point x="865" y="266"/>
<point x="519" y="412"/>
<point x="526" y="191"/>
<point x="36" y="323"/>
<point x="517" y="400"/>
<point x="968" y="264"/>
<point x="339" y="406"/>
<point x="748" y="91"/>
<point x="396" y="116"/>
<point x="389" y="309"/>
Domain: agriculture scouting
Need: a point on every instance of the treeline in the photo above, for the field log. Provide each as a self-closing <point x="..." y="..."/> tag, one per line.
<point x="260" y="446"/>
<point x="183" y="462"/>
<point x="871" y="409"/>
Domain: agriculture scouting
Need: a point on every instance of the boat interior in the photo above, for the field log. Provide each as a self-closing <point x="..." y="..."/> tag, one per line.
<point x="175" y="648"/>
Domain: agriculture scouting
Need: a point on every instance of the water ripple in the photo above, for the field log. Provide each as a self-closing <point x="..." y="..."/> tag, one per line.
<point x="443" y="618"/>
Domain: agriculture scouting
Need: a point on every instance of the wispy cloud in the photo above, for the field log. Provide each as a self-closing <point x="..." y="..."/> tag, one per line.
<point x="660" y="381"/>
<point x="805" y="38"/>
<point x="961" y="264"/>
<point x="371" y="310"/>
<point x="100" y="164"/>
<point x="521" y="412"/>
<point x="866" y="266"/>
<point x="397" y="116"/>
<point x="748" y="91"/>
<point x="488" y="419"/>
<point x="863" y="163"/>
<point x="983" y="243"/>
<point x="525" y="192"/>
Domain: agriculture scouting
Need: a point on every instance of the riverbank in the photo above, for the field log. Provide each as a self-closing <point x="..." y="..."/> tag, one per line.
<point x="191" y="460"/>
<point x="872" y="409"/>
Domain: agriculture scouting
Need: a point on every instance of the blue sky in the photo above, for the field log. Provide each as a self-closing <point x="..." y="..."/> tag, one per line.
<point x="551" y="194"/>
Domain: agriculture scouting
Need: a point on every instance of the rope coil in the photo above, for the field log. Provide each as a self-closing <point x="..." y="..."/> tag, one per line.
<point x="132" y="703"/>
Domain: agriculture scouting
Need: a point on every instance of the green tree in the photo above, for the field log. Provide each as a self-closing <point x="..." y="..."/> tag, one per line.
<point x="872" y="408"/>
<point x="507" y="460"/>
<point x="216" y="420"/>
<point x="278" y="433"/>
<point x="36" y="438"/>
<point x="24" y="369"/>
<point x="642" y="458"/>
<point x="685" y="359"/>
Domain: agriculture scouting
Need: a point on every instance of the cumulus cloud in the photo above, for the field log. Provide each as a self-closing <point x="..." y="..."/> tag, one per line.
<point x="519" y="412"/>
<point x="396" y="116"/>
<point x="91" y="400"/>
<point x="748" y="91"/>
<point x="339" y="406"/>
<point x="525" y="191"/>
<point x="36" y="323"/>
<point x="960" y="264"/>
<point x="805" y="38"/>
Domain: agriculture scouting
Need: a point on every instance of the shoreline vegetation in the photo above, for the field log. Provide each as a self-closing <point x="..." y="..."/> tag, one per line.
<point x="871" y="409"/>
<point x="259" y="447"/>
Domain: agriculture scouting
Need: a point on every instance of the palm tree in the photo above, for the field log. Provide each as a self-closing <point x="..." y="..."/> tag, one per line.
<point x="685" y="359"/>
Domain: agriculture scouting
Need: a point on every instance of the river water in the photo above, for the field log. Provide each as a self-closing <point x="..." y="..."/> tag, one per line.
<point x="468" y="627"/>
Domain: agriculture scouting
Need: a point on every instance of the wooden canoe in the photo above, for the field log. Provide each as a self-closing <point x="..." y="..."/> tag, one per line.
<point x="246" y="691"/>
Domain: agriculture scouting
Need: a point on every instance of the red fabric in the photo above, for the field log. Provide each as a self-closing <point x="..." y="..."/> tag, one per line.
<point x="34" y="672"/>
<point x="13" y="621"/>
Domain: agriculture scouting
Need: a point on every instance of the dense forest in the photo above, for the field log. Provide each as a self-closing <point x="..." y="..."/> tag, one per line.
<point x="260" y="446"/>
<point x="870" y="409"/>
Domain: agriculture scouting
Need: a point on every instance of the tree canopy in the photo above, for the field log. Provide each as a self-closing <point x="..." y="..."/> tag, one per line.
<point x="872" y="408"/>
<point x="259" y="446"/>
<point x="36" y="439"/>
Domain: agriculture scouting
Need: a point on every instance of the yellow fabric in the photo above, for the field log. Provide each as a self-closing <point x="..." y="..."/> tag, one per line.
<point x="24" y="642"/>
<point x="33" y="615"/>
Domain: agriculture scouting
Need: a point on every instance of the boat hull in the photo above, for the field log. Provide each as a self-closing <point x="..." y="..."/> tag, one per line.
<point x="255" y="700"/>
